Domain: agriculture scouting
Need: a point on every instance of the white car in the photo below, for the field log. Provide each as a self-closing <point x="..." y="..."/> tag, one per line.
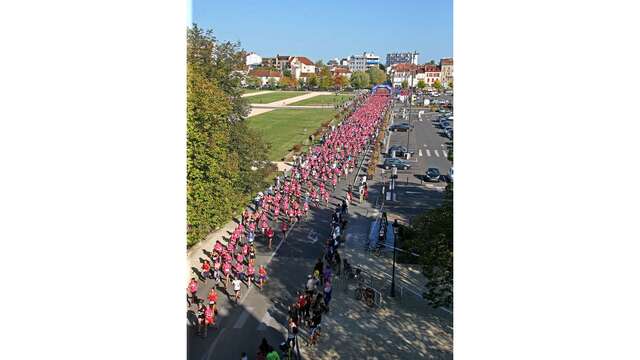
<point x="451" y="174"/>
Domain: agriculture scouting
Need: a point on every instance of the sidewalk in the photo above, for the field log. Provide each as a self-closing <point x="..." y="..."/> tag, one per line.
<point x="264" y="108"/>
<point x="404" y="327"/>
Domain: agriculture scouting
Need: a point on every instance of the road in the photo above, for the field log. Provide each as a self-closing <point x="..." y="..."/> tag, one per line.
<point x="264" y="313"/>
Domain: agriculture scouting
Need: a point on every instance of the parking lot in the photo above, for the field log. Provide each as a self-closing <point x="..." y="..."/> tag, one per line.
<point x="426" y="142"/>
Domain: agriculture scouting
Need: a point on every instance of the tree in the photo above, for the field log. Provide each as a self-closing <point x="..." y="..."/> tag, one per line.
<point x="287" y="73"/>
<point x="451" y="84"/>
<point x="421" y="84"/>
<point x="405" y="84"/>
<point x="340" y="81"/>
<point x="289" y="82"/>
<point x="382" y="67"/>
<point x="430" y="235"/>
<point x="360" y="80"/>
<point x="432" y="62"/>
<point x="254" y="82"/>
<point x="437" y="85"/>
<point x="221" y="150"/>
<point x="312" y="81"/>
<point x="319" y="63"/>
<point x="376" y="76"/>
<point x="272" y="83"/>
<point x="325" y="80"/>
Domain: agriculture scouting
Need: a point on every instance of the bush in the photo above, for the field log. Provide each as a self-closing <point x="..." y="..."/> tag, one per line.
<point x="297" y="147"/>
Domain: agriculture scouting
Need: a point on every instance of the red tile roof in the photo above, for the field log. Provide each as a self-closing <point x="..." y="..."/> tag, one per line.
<point x="341" y="70"/>
<point x="264" y="73"/>
<point x="304" y="60"/>
<point x="431" y="68"/>
<point x="404" y="67"/>
<point x="446" y="61"/>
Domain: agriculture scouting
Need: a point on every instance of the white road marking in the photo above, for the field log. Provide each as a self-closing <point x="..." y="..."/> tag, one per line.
<point x="428" y="152"/>
<point x="436" y="152"/>
<point x="242" y="318"/>
<point x="419" y="152"/>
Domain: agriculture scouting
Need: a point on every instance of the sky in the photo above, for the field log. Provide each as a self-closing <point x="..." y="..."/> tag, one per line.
<point x="331" y="28"/>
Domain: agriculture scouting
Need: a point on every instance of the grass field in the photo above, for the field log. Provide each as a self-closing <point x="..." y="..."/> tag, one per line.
<point x="274" y="96"/>
<point x="249" y="91"/>
<point x="285" y="127"/>
<point x="324" y="100"/>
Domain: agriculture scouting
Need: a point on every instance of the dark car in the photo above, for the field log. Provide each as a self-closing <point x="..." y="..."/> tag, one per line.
<point x="433" y="174"/>
<point x="449" y="133"/>
<point x="400" y="127"/>
<point x="400" y="150"/>
<point x="395" y="162"/>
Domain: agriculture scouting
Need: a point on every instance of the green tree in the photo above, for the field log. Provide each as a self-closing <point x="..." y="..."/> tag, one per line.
<point x="312" y="81"/>
<point x="432" y="62"/>
<point x="437" y="85"/>
<point x="382" y="67"/>
<point x="431" y="237"/>
<point x="405" y="84"/>
<point x="287" y="73"/>
<point x="421" y="84"/>
<point x="254" y="82"/>
<point x="225" y="160"/>
<point x="360" y="80"/>
<point x="272" y="83"/>
<point x="451" y="84"/>
<point x="319" y="63"/>
<point x="376" y="76"/>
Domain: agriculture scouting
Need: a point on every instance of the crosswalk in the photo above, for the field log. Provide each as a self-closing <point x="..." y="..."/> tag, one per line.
<point x="433" y="153"/>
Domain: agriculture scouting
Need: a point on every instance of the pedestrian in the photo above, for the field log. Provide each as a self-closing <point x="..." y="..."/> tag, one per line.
<point x="361" y="193"/>
<point x="269" y="236"/>
<point x="365" y="191"/>
<point x="236" y="288"/>
<point x="292" y="332"/>
<point x="193" y="289"/>
<point x="328" y="288"/>
<point x="206" y="269"/>
<point x="262" y="273"/>
<point x="213" y="296"/>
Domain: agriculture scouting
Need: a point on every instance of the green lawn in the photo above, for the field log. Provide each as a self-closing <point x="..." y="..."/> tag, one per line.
<point x="285" y="127"/>
<point x="324" y="100"/>
<point x="273" y="96"/>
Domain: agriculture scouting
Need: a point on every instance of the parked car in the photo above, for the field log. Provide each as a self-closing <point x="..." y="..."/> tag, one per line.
<point x="450" y="175"/>
<point x="433" y="174"/>
<point x="395" y="162"/>
<point x="444" y="124"/>
<point x="400" y="150"/>
<point x="400" y="127"/>
<point x="449" y="133"/>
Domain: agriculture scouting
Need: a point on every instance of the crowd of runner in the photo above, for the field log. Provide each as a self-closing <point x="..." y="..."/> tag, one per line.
<point x="309" y="183"/>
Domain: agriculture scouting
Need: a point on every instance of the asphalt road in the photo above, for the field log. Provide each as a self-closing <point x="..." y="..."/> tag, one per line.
<point x="429" y="144"/>
<point x="264" y="313"/>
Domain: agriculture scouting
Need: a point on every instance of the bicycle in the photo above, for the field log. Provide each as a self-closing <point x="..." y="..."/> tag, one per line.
<point x="365" y="294"/>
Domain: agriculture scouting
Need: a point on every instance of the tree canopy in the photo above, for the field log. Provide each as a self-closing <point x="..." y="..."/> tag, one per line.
<point x="430" y="235"/>
<point x="376" y="76"/>
<point x="421" y="84"/>
<point x="225" y="159"/>
<point x="360" y="80"/>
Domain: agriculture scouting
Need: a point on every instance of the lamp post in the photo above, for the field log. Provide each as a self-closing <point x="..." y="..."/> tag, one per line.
<point x="393" y="273"/>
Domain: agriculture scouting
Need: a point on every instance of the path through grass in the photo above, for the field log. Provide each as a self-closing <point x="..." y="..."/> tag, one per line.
<point x="323" y="100"/>
<point x="273" y="96"/>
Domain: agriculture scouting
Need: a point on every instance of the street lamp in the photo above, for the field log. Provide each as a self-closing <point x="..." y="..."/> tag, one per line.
<point x="393" y="276"/>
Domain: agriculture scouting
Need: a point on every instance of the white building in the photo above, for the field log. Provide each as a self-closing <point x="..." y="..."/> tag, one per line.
<point x="363" y="62"/>
<point x="253" y="60"/>
<point x="265" y="75"/>
<point x="301" y="65"/>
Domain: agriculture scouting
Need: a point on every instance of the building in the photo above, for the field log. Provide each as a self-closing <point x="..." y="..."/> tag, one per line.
<point x="299" y="65"/>
<point x="402" y="58"/>
<point x="333" y="62"/>
<point x="344" y="62"/>
<point x="264" y="75"/>
<point x="446" y="66"/>
<point x="363" y="62"/>
<point x="341" y="71"/>
<point x="253" y="60"/>
<point x="431" y="73"/>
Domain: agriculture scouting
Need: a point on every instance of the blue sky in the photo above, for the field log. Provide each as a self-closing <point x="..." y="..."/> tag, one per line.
<point x="331" y="28"/>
